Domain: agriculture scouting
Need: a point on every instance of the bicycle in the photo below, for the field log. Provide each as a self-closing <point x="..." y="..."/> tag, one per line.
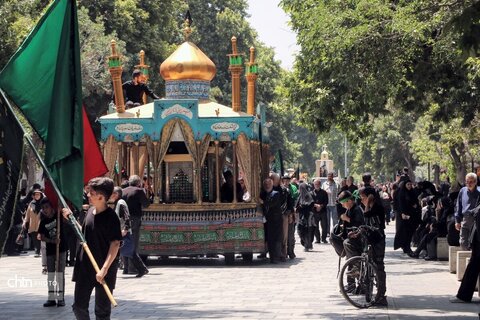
<point x="358" y="277"/>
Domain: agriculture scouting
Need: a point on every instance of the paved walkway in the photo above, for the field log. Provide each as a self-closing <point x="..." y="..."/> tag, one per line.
<point x="305" y="288"/>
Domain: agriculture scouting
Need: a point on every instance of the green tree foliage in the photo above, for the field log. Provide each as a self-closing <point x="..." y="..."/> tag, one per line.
<point x="358" y="55"/>
<point x="365" y="64"/>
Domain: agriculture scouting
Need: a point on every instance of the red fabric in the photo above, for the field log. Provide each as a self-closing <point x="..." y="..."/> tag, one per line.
<point x="51" y="194"/>
<point x="93" y="163"/>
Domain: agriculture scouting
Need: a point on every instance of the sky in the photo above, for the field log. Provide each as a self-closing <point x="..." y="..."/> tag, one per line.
<point x="271" y="23"/>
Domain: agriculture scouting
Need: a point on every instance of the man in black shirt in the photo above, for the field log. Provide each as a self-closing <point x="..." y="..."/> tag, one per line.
<point x="48" y="233"/>
<point x="320" y="199"/>
<point x="136" y="199"/>
<point x="134" y="90"/>
<point x="102" y="232"/>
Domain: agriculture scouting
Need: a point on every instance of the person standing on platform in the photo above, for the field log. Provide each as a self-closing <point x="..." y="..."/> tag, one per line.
<point x="134" y="90"/>
<point x="136" y="199"/>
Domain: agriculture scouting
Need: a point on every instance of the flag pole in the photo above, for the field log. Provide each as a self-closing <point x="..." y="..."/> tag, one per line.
<point x="71" y="219"/>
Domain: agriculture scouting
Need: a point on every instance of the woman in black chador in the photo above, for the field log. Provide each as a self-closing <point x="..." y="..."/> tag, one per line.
<point x="408" y="216"/>
<point x="306" y="223"/>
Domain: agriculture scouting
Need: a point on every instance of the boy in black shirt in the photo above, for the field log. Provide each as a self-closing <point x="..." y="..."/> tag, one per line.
<point x="102" y="232"/>
<point x="48" y="233"/>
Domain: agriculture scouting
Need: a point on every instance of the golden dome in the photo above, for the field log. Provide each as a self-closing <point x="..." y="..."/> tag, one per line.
<point x="188" y="62"/>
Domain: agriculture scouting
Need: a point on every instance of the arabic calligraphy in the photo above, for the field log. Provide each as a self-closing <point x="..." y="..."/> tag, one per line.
<point x="129" y="128"/>
<point x="224" y="127"/>
<point x="177" y="109"/>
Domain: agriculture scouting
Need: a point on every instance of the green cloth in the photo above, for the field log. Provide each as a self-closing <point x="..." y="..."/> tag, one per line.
<point x="294" y="191"/>
<point x="43" y="78"/>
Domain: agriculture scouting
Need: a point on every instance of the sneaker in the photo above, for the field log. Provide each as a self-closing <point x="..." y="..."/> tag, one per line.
<point x="456" y="299"/>
<point x="44" y="270"/>
<point x="50" y="303"/>
<point x="61" y="303"/>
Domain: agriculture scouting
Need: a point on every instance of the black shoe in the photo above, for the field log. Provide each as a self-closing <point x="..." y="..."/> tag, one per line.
<point x="61" y="303"/>
<point x="413" y="255"/>
<point x="324" y="241"/>
<point x="427" y="258"/>
<point x="50" y="303"/>
<point x="381" y="301"/>
<point x="317" y="241"/>
<point x="292" y="256"/>
<point x="141" y="274"/>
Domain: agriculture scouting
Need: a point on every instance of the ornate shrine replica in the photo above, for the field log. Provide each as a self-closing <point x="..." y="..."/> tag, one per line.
<point x="185" y="143"/>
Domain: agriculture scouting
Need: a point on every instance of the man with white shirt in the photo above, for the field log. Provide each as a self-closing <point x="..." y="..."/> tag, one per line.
<point x="331" y="187"/>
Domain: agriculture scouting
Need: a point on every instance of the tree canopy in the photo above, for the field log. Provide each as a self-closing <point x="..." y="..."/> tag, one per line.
<point x="367" y="66"/>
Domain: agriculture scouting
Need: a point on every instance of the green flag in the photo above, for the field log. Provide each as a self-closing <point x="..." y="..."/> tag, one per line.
<point x="43" y="79"/>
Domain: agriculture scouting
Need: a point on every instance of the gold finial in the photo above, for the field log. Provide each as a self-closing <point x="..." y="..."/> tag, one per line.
<point x="234" y="45"/>
<point x="142" y="57"/>
<point x="113" y="43"/>
<point x="252" y="55"/>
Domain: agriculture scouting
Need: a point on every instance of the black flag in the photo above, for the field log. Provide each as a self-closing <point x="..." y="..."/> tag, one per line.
<point x="11" y="151"/>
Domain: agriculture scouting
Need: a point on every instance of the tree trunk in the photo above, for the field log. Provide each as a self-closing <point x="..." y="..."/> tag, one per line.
<point x="459" y="165"/>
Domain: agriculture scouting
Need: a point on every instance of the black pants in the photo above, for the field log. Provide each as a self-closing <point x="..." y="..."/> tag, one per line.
<point x="274" y="227"/>
<point x="291" y="240"/>
<point x="353" y="247"/>
<point x="426" y="239"/>
<point x="321" y="221"/>
<point x="135" y="259"/>
<point x="379" y="255"/>
<point x="83" y="291"/>
<point x="465" y="292"/>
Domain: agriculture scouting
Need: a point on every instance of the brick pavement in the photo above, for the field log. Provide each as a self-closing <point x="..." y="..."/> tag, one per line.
<point x="305" y="288"/>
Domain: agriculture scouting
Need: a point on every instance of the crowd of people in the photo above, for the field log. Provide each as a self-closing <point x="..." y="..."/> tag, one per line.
<point x="422" y="212"/>
<point x="318" y="212"/>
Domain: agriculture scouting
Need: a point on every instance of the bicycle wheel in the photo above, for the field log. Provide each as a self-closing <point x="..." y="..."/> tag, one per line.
<point x="358" y="282"/>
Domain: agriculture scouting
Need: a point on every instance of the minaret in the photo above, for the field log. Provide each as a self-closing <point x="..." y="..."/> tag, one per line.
<point x="115" y="68"/>
<point x="144" y="68"/>
<point x="236" y="67"/>
<point x="251" y="75"/>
